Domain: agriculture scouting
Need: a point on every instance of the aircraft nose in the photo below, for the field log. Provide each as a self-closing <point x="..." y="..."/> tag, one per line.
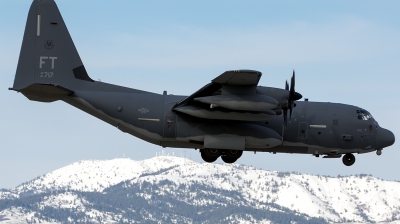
<point x="384" y="138"/>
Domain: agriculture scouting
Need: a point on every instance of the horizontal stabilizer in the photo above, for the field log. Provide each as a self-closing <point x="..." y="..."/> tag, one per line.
<point x="44" y="92"/>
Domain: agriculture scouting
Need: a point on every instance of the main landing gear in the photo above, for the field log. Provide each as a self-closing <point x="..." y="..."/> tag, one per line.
<point x="349" y="159"/>
<point x="210" y="155"/>
<point x="228" y="156"/>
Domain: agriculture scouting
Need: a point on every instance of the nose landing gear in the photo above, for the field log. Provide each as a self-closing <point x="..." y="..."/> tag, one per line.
<point x="379" y="152"/>
<point x="349" y="159"/>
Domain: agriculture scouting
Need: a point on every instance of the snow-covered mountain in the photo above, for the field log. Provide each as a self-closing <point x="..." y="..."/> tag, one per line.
<point x="177" y="190"/>
<point x="95" y="175"/>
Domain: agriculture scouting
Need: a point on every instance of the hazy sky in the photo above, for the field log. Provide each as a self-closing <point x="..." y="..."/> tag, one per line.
<point x="343" y="51"/>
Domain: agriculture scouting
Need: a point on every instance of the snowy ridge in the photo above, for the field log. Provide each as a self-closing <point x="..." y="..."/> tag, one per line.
<point x="172" y="181"/>
<point x="336" y="199"/>
<point x="94" y="175"/>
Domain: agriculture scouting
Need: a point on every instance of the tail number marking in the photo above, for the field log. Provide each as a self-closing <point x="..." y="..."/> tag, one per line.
<point x="46" y="74"/>
<point x="43" y="59"/>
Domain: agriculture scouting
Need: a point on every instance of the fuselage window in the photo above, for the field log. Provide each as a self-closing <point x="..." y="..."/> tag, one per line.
<point x="363" y="115"/>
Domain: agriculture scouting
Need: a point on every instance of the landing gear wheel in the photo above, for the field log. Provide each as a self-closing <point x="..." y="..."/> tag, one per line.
<point x="234" y="153"/>
<point x="230" y="156"/>
<point x="212" y="153"/>
<point x="228" y="159"/>
<point x="349" y="159"/>
<point x="208" y="159"/>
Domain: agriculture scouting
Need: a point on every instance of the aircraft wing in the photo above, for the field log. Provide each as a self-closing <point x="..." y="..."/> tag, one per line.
<point x="234" y="77"/>
<point x="231" y="96"/>
<point x="239" y="77"/>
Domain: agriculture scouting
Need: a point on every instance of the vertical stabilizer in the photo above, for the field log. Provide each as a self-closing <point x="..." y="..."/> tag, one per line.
<point x="48" y="55"/>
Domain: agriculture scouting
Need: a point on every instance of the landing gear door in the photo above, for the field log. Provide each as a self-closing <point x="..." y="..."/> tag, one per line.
<point x="303" y="130"/>
<point x="170" y="126"/>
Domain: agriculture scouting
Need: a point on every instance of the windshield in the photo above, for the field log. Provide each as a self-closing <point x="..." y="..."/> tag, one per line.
<point x="363" y="115"/>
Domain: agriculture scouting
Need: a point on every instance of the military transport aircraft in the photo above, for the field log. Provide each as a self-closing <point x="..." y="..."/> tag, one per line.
<point x="230" y="115"/>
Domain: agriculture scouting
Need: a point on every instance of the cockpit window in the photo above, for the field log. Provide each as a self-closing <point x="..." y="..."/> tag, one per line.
<point x="363" y="115"/>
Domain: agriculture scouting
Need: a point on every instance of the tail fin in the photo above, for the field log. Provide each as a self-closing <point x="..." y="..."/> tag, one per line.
<point x="48" y="56"/>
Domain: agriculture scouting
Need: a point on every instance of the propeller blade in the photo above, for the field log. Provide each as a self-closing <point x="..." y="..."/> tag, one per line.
<point x="292" y="87"/>
<point x="285" y="117"/>
<point x="291" y="110"/>
<point x="291" y="95"/>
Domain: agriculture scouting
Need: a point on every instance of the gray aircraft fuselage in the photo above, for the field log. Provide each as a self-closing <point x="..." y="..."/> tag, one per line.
<point x="230" y="115"/>
<point x="315" y="128"/>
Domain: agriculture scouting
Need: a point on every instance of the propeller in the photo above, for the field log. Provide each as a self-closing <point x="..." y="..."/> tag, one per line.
<point x="293" y="96"/>
<point x="285" y="108"/>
